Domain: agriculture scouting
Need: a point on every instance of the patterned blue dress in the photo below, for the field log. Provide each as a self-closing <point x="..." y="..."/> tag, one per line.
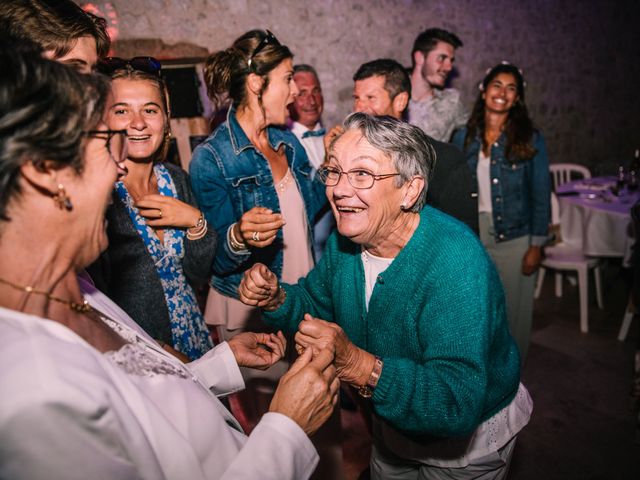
<point x="189" y="332"/>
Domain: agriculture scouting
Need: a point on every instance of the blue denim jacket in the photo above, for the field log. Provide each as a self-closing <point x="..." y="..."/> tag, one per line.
<point x="229" y="176"/>
<point x="519" y="191"/>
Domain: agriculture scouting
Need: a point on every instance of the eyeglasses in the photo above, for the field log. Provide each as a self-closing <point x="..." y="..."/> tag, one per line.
<point x="109" y="135"/>
<point x="143" y="64"/>
<point x="270" y="39"/>
<point x="358" y="178"/>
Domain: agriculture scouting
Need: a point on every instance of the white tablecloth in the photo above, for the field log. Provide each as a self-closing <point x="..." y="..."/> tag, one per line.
<point x="592" y="217"/>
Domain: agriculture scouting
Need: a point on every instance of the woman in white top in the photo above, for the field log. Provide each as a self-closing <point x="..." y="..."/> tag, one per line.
<point x="507" y="156"/>
<point x="85" y="392"/>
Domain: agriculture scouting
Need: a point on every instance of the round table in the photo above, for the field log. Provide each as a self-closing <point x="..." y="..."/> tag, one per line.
<point x="593" y="218"/>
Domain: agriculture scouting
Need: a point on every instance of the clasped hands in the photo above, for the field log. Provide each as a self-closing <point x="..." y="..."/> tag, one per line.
<point x="307" y="393"/>
<point x="259" y="287"/>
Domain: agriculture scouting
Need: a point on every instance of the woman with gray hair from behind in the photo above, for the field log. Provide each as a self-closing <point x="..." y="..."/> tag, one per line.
<point x="414" y="309"/>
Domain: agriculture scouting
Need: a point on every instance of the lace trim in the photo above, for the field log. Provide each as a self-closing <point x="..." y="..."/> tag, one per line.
<point x="282" y="185"/>
<point x="137" y="358"/>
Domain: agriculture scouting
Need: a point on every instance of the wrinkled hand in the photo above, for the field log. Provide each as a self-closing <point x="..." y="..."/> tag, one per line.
<point x="261" y="220"/>
<point x="531" y="260"/>
<point x="161" y="211"/>
<point x="258" y="350"/>
<point x="259" y="287"/>
<point x="308" y="392"/>
<point x="352" y="363"/>
<point x="330" y="135"/>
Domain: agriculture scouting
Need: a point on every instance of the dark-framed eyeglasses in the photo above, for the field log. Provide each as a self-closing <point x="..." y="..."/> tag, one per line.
<point x="270" y="39"/>
<point x="149" y="65"/>
<point x="358" y="178"/>
<point x="117" y="152"/>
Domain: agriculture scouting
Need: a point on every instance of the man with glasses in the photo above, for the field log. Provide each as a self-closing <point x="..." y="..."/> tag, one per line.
<point x="383" y="87"/>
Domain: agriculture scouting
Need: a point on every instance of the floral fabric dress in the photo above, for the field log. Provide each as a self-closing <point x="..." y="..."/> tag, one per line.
<point x="189" y="332"/>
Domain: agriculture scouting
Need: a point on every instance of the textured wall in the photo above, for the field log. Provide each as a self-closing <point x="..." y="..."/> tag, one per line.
<point x="581" y="59"/>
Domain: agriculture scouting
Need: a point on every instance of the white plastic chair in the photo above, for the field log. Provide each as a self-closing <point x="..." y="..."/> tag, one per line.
<point x="566" y="172"/>
<point x="626" y="322"/>
<point x="564" y="257"/>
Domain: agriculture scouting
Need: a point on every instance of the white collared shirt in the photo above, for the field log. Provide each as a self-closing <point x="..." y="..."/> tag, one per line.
<point x="314" y="146"/>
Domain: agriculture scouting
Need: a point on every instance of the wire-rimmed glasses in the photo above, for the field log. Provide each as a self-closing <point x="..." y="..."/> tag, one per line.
<point x="358" y="178"/>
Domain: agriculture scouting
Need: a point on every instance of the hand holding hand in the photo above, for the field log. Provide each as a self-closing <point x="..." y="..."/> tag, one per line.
<point x="258" y="227"/>
<point x="308" y="392"/>
<point x="531" y="260"/>
<point x="161" y="211"/>
<point x="258" y="350"/>
<point x="259" y="287"/>
<point x="352" y="363"/>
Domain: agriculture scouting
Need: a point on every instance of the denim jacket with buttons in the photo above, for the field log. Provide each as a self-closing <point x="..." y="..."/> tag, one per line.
<point x="520" y="190"/>
<point x="230" y="176"/>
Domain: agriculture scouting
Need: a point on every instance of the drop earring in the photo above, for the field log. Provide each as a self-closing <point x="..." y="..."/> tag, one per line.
<point x="61" y="199"/>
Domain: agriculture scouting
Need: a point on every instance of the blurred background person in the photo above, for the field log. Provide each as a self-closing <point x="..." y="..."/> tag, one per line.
<point x="435" y="109"/>
<point x="159" y="242"/>
<point x="86" y="392"/>
<point x="64" y="31"/>
<point x="414" y="308"/>
<point x="306" y="125"/>
<point x="508" y="159"/>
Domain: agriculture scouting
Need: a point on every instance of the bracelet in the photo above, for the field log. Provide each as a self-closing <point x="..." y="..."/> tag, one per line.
<point x="199" y="230"/>
<point x="366" y="390"/>
<point x="235" y="245"/>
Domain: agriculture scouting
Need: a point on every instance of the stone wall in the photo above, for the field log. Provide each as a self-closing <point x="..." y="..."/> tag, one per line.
<point x="581" y="59"/>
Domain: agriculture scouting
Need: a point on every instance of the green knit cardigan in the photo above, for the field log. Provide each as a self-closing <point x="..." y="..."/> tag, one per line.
<point x="436" y="317"/>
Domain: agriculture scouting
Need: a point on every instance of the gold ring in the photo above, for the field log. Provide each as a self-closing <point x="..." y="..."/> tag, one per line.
<point x="159" y="213"/>
<point x="299" y="349"/>
<point x="256" y="236"/>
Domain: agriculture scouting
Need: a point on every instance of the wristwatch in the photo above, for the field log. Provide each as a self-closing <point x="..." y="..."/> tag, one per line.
<point x="366" y="390"/>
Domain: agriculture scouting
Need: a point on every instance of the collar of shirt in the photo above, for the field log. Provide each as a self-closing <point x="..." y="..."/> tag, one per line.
<point x="298" y="129"/>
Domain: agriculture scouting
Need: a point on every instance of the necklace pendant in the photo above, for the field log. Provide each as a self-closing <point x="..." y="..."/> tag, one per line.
<point x="83" y="307"/>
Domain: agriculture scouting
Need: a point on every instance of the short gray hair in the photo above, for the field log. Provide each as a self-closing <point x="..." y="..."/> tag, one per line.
<point x="303" y="67"/>
<point x="406" y="145"/>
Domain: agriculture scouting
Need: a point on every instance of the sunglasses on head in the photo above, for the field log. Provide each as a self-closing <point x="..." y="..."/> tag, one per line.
<point x="143" y="64"/>
<point x="270" y="39"/>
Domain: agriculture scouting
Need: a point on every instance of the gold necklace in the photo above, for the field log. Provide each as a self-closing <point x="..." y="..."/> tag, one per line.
<point x="83" y="307"/>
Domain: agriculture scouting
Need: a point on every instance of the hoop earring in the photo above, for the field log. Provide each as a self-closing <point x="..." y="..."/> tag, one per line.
<point x="62" y="200"/>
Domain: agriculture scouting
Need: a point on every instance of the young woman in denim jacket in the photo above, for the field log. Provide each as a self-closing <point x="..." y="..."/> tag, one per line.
<point x="251" y="178"/>
<point x="507" y="156"/>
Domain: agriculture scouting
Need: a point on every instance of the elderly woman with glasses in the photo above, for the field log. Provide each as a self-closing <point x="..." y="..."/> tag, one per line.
<point x="159" y="243"/>
<point x="413" y="307"/>
<point x="86" y="393"/>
